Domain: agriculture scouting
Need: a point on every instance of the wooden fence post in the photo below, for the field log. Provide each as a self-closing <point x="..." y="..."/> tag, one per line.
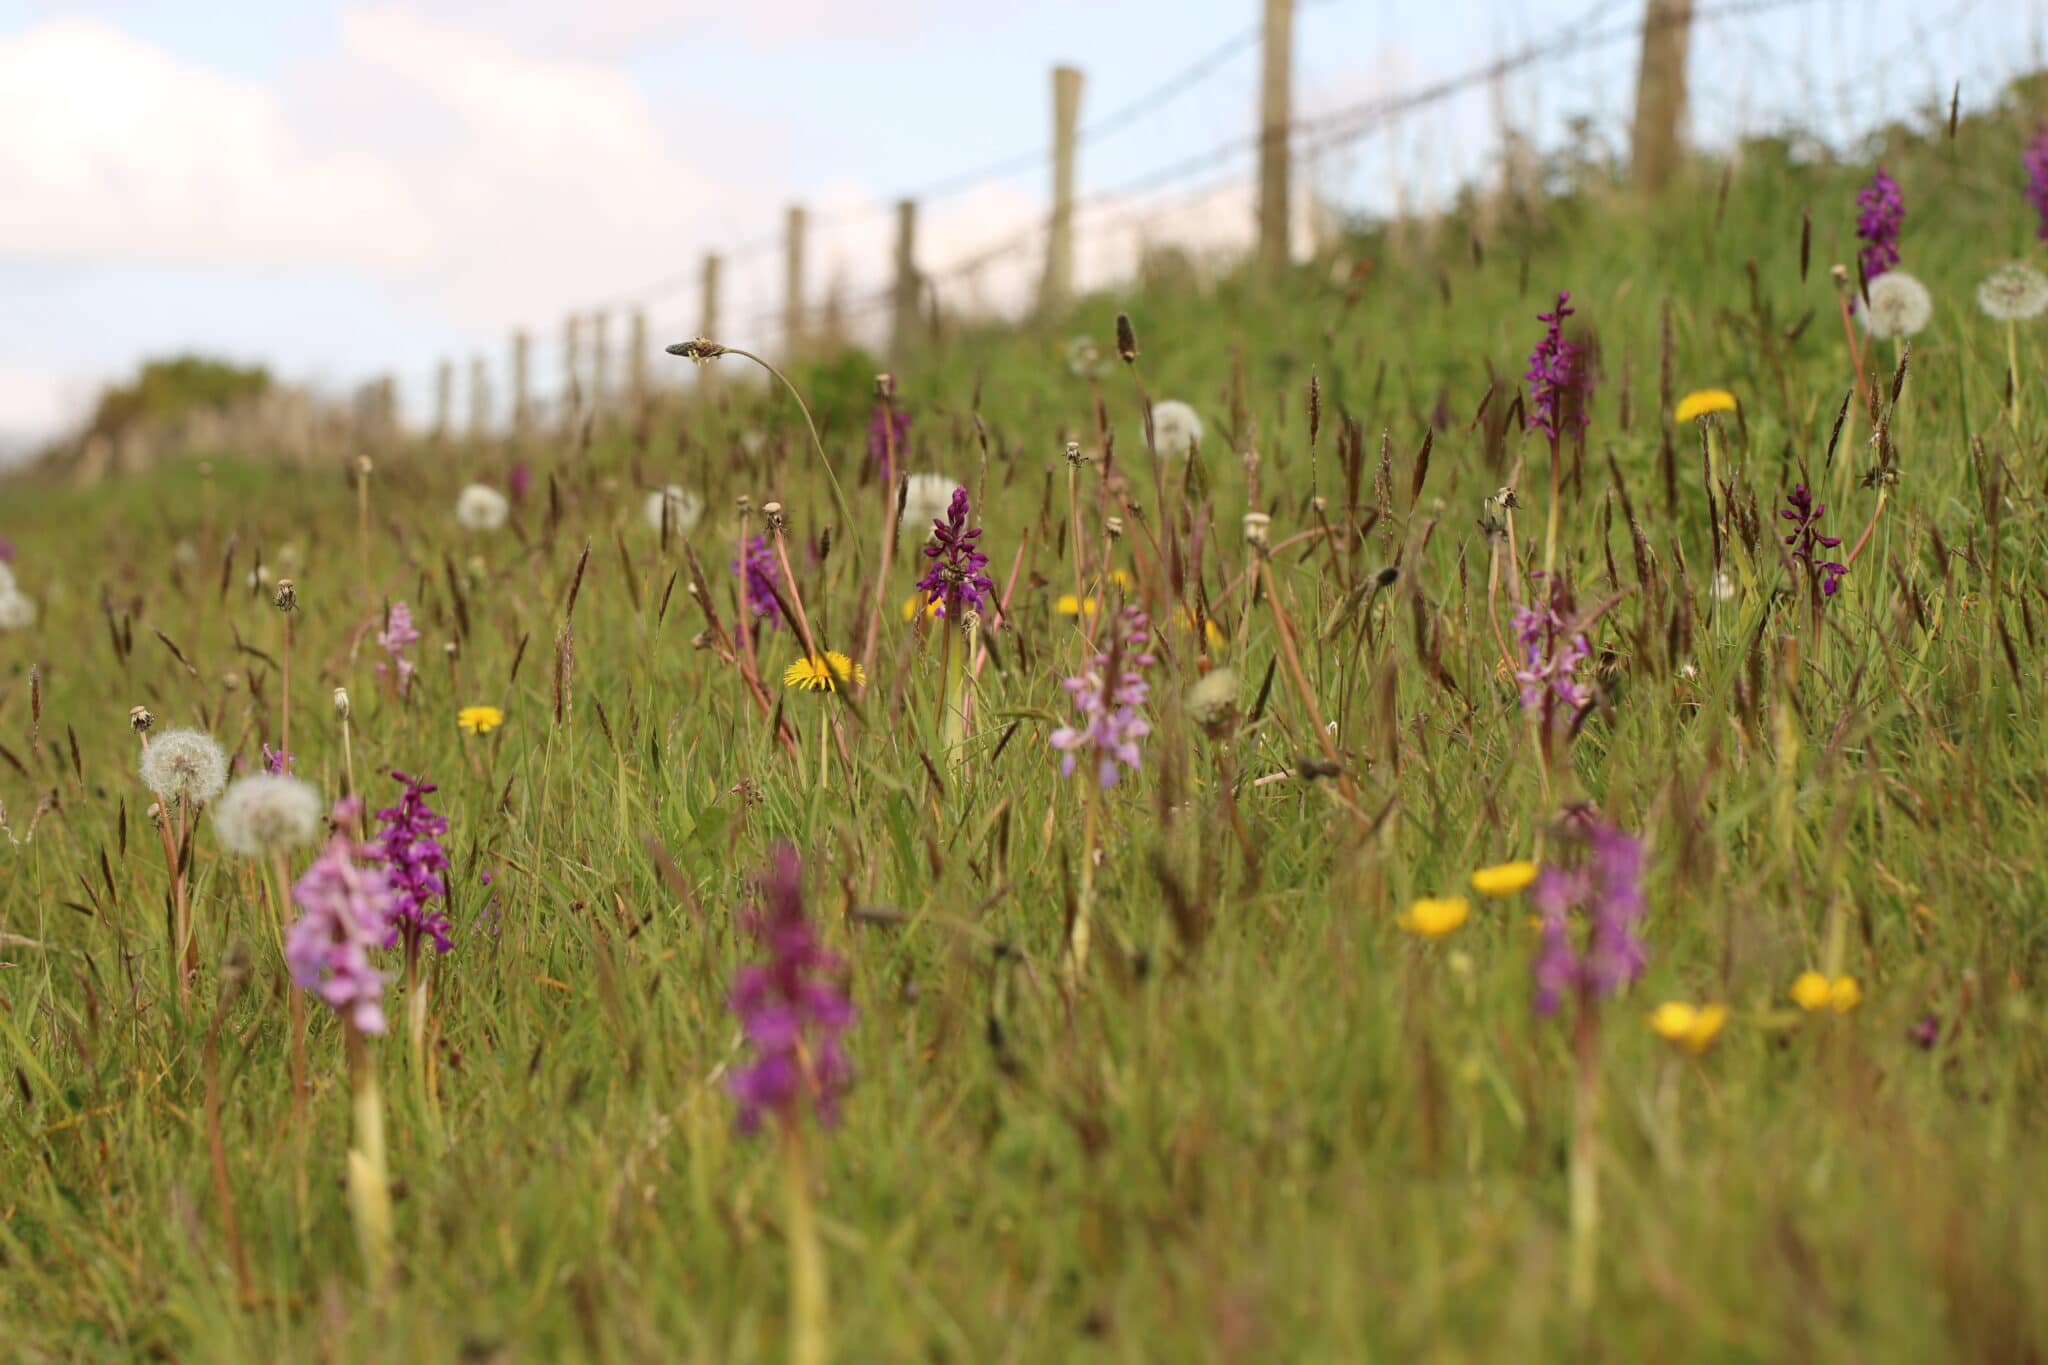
<point x="1660" y="92"/>
<point x="1058" y="285"/>
<point x="793" y="320"/>
<point x="904" y="313"/>
<point x="522" y="393"/>
<point x="1275" y="120"/>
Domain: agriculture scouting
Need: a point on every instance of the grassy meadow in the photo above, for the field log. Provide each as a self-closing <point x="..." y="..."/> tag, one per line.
<point x="1265" y="1118"/>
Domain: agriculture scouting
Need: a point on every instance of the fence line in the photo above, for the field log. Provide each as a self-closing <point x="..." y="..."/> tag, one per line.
<point x="559" y="376"/>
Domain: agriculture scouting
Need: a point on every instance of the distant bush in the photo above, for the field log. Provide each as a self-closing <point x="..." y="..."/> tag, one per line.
<point x="167" y="390"/>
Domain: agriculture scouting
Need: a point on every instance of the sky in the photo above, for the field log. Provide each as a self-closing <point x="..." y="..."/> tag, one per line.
<point x="346" y="188"/>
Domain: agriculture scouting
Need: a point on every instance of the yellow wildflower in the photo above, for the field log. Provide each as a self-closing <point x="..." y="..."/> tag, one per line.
<point x="1211" y="632"/>
<point x="1813" y="991"/>
<point x="814" y="674"/>
<point x="1703" y="401"/>
<point x="1435" y="916"/>
<point x="479" y="720"/>
<point x="1070" y="605"/>
<point x="1692" y="1027"/>
<point x="1503" y="879"/>
<point x="933" y="609"/>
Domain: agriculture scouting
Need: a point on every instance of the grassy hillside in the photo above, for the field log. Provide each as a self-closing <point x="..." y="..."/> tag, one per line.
<point x="1265" y="1119"/>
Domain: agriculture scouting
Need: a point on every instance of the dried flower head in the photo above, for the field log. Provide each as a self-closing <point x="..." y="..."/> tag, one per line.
<point x="341" y="705"/>
<point x="184" y="765"/>
<point x="140" y="718"/>
<point x="267" y="813"/>
<point x="1257" y="529"/>
<point x="675" y="506"/>
<point x="2013" y="293"/>
<point x="1176" y="429"/>
<point x="1899" y="306"/>
<point x="286" y="598"/>
<point x="1126" y="339"/>
<point x="479" y="507"/>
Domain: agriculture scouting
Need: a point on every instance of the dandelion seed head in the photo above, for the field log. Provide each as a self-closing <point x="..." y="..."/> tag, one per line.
<point x="682" y="508"/>
<point x="480" y="507"/>
<point x="1176" y="429"/>
<point x="184" y="765"/>
<point x="1212" y="703"/>
<point x="17" y="610"/>
<point x="925" y="500"/>
<point x="1899" y="306"/>
<point x="267" y="813"/>
<point x="2013" y="293"/>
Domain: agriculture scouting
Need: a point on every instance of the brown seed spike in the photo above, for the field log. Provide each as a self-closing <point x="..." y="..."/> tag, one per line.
<point x="1805" y="241"/>
<point x="1315" y="407"/>
<point x="1126" y="338"/>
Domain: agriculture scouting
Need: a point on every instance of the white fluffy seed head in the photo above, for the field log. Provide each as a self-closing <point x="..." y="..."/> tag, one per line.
<point x="682" y="508"/>
<point x="2013" y="293"/>
<point x="480" y="507"/>
<point x="1176" y="429"/>
<point x="1899" y="306"/>
<point x="925" y="499"/>
<point x="17" y="610"/>
<point x="184" y="764"/>
<point x="267" y="813"/>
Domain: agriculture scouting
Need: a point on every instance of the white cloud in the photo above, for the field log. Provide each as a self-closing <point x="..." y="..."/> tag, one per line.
<point x="116" y="150"/>
<point x="614" y="26"/>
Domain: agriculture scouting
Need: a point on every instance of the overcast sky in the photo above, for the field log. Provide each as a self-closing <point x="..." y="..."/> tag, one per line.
<point x="340" y="188"/>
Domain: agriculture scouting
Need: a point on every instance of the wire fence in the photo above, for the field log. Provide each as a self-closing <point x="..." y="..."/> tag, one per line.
<point x="1201" y="201"/>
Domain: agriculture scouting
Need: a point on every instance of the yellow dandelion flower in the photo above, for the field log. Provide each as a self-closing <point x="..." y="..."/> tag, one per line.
<point x="1211" y="632"/>
<point x="1844" y="994"/>
<point x="1435" y="916"/>
<point x="479" y="720"/>
<point x="933" y="609"/>
<point x="1070" y="605"/>
<point x="814" y="674"/>
<point x="1691" y="1027"/>
<point x="1503" y="879"/>
<point x="1810" y="991"/>
<point x="1700" y="402"/>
